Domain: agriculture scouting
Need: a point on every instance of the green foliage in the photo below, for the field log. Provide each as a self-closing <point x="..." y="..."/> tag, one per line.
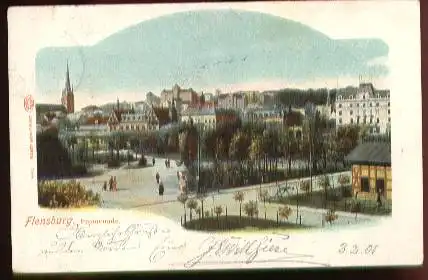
<point x="251" y="208"/>
<point x="113" y="163"/>
<point x="70" y="194"/>
<point x="143" y="161"/>
<point x="182" y="198"/>
<point x="192" y="204"/>
<point x="239" y="196"/>
<point x="218" y="210"/>
<point x="331" y="216"/>
<point x="305" y="186"/>
<point x="284" y="212"/>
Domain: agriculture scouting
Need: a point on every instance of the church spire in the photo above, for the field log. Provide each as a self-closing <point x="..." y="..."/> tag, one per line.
<point x="67" y="81"/>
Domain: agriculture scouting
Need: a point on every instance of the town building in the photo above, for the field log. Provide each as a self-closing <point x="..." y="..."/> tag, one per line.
<point x="67" y="97"/>
<point x="371" y="170"/>
<point x="181" y="96"/>
<point x="237" y="101"/>
<point x="48" y="114"/>
<point x="208" y="117"/>
<point x="364" y="106"/>
<point x="149" y="119"/>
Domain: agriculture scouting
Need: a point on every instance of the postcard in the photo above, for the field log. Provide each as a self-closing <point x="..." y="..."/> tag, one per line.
<point x="154" y="137"/>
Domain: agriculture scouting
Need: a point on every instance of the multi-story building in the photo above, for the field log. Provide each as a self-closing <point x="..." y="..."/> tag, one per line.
<point x="364" y="106"/>
<point x="232" y="101"/>
<point x="152" y="118"/>
<point x="181" y="96"/>
<point x="208" y="117"/>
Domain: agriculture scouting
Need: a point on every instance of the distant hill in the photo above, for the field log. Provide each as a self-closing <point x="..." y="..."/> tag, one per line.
<point x="207" y="48"/>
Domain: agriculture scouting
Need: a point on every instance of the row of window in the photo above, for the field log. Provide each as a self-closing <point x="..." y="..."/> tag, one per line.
<point x="365" y="185"/>
<point x="364" y="97"/>
<point x="352" y="112"/>
<point x="364" y="120"/>
<point x="363" y="105"/>
<point x="138" y="118"/>
<point x="134" y="127"/>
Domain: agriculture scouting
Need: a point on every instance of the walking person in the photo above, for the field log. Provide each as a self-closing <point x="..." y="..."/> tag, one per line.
<point x="110" y="182"/>
<point x="157" y="177"/>
<point x="166" y="163"/>
<point x="178" y="175"/>
<point x="153" y="161"/>
<point x="114" y="184"/>
<point x="105" y="186"/>
<point x="161" y="188"/>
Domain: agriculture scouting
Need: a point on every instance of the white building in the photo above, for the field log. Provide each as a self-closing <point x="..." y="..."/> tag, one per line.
<point x="200" y="116"/>
<point x="364" y="106"/>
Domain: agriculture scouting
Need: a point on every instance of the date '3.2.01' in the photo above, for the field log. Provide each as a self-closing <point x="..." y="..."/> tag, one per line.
<point x="355" y="249"/>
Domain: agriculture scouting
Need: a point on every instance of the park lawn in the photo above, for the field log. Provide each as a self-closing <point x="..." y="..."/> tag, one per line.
<point x="339" y="203"/>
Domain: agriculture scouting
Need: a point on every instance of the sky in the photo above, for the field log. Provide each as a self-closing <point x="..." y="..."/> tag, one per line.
<point x="86" y="25"/>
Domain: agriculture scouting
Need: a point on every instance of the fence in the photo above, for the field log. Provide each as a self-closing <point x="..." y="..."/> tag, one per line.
<point x="219" y="221"/>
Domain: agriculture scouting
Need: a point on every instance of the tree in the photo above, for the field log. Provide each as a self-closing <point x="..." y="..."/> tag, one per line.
<point x="192" y="204"/>
<point x="201" y="196"/>
<point x="238" y="150"/>
<point x="284" y="212"/>
<point x="324" y="182"/>
<point x="305" y="186"/>
<point x="343" y="181"/>
<point x="183" y="199"/>
<point x="251" y="208"/>
<point x="239" y="197"/>
<point x="218" y="210"/>
<point x="331" y="216"/>
<point x="256" y="150"/>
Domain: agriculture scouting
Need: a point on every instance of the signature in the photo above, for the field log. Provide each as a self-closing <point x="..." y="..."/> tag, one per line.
<point x="72" y="239"/>
<point x="229" y="250"/>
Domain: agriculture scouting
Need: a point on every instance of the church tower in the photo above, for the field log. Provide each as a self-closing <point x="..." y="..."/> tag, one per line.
<point x="67" y="98"/>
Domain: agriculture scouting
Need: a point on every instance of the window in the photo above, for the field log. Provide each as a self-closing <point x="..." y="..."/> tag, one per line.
<point x="358" y="120"/>
<point x="389" y="111"/>
<point x="352" y="121"/>
<point x="380" y="186"/>
<point x="340" y="113"/>
<point x="377" y="129"/>
<point x="365" y="186"/>
<point x="351" y="112"/>
<point x="350" y="105"/>
<point x="364" y="105"/>
<point x="389" y="120"/>
<point x="340" y="121"/>
<point x="388" y="104"/>
<point x="358" y="105"/>
<point x="364" y="96"/>
<point x="377" y="104"/>
<point x="371" y="120"/>
<point x="340" y="105"/>
<point x="377" y="120"/>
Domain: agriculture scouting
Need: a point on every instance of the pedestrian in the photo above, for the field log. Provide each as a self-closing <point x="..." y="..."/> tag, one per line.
<point x="166" y="163"/>
<point x="114" y="183"/>
<point x="161" y="188"/>
<point x="110" y="182"/>
<point x="105" y="186"/>
<point x="157" y="177"/>
<point x="178" y="176"/>
<point x="153" y="161"/>
<point x="169" y="163"/>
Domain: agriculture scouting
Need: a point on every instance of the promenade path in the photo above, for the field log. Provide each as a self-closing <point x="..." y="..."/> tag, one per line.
<point x="137" y="190"/>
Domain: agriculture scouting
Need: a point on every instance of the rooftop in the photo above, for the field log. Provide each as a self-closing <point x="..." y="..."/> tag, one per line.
<point x="376" y="153"/>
